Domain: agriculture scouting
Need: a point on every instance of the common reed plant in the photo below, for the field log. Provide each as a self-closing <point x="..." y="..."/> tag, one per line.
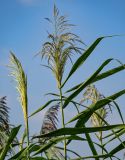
<point x="58" y="50"/>
<point x="60" y="47"/>
<point x="20" y="78"/>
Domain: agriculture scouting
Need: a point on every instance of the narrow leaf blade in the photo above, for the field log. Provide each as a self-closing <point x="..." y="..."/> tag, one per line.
<point x="87" y="82"/>
<point x="10" y="140"/>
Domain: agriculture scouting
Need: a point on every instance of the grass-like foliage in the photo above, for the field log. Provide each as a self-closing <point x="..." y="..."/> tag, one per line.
<point x="90" y="121"/>
<point x="4" y="122"/>
<point x="19" y="76"/>
<point x="61" y="45"/>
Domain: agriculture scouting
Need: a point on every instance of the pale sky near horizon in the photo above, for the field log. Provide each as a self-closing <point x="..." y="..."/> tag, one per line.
<point x="23" y="30"/>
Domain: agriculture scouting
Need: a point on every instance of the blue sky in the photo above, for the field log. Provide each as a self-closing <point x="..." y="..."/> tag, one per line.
<point x="23" y="30"/>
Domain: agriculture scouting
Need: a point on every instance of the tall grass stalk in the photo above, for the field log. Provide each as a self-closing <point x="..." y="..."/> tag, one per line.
<point x="94" y="95"/>
<point x="59" y="48"/>
<point x="63" y="121"/>
<point x="20" y="78"/>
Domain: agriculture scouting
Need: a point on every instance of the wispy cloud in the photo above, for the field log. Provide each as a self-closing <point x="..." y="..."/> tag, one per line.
<point x="29" y="2"/>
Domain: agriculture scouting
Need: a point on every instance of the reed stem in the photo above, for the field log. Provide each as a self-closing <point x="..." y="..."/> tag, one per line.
<point x="63" y="121"/>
